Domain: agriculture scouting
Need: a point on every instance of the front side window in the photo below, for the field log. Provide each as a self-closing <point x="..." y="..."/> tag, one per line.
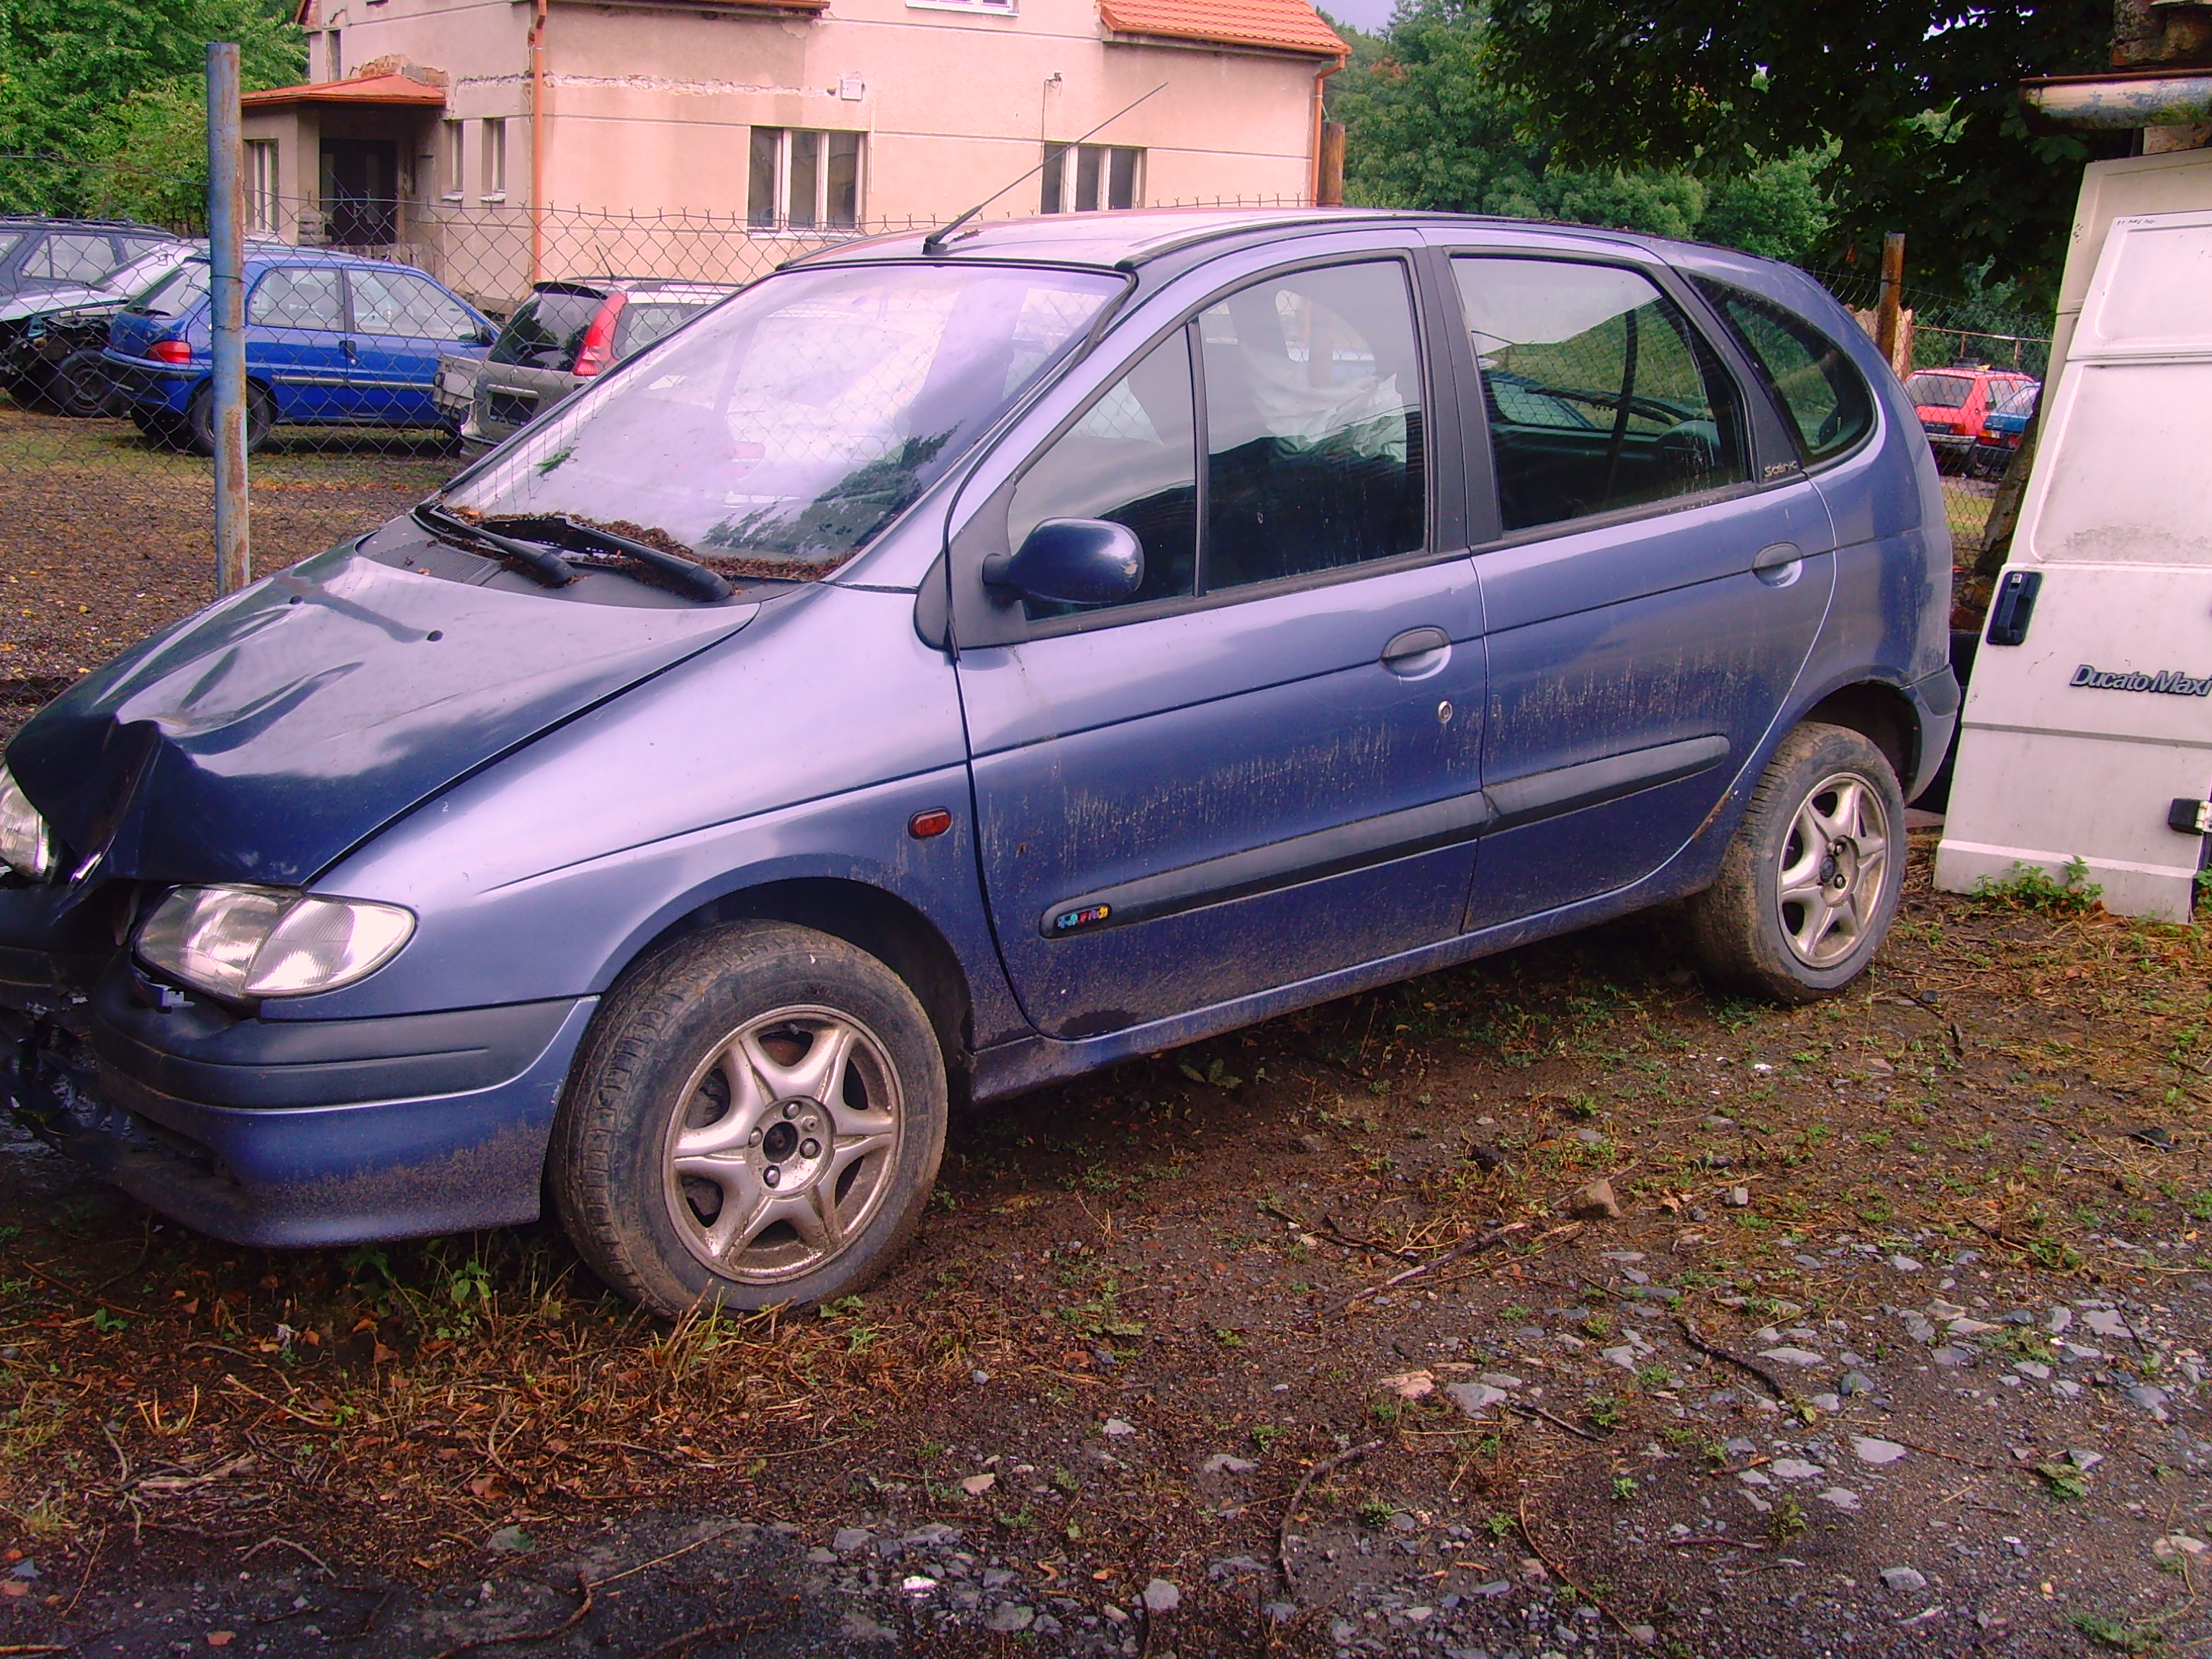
<point x="1829" y="405"/>
<point x="1085" y="177"/>
<point x="1315" y="441"/>
<point x="1599" y="394"/>
<point x="1133" y="459"/>
<point x="778" y="435"/>
<point x="1310" y="455"/>
<point x="799" y="178"/>
<point x="399" y="303"/>
<point x="298" y="296"/>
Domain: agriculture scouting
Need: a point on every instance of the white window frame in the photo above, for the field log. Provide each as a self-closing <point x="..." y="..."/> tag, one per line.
<point x="1070" y="169"/>
<point x="779" y="222"/>
<point x="493" y="160"/>
<point x="983" y="8"/>
<point x="262" y="204"/>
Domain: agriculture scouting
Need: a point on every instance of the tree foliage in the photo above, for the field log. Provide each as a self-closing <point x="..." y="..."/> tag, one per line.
<point x="1428" y="126"/>
<point x="1914" y="103"/>
<point x="110" y="95"/>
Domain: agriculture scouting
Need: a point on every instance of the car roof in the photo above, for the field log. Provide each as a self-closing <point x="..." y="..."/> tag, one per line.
<point x="632" y="285"/>
<point x="46" y="222"/>
<point x="1130" y="237"/>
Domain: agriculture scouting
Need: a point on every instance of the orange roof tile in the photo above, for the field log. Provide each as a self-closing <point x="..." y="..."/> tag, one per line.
<point x="369" y="89"/>
<point x="1285" y="25"/>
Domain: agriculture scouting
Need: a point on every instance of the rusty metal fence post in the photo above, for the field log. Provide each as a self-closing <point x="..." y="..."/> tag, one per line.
<point x="233" y="566"/>
<point x="1893" y="289"/>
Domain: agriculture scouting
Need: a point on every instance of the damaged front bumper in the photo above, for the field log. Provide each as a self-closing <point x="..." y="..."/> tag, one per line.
<point x="288" y="1132"/>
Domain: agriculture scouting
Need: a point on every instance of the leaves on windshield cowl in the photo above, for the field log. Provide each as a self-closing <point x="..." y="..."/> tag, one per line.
<point x="845" y="515"/>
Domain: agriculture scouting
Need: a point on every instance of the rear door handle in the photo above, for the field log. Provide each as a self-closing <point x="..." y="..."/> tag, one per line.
<point x="1779" y="565"/>
<point x="1416" y="652"/>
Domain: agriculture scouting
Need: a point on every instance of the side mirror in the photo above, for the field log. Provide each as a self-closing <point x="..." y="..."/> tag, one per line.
<point x="1072" y="561"/>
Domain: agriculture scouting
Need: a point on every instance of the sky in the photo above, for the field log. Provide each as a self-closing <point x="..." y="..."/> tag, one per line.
<point x="1369" y="14"/>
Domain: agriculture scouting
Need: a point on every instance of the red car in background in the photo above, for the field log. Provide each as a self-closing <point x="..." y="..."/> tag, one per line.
<point x="1953" y="404"/>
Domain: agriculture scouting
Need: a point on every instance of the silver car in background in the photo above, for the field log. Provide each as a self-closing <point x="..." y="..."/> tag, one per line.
<point x="564" y="334"/>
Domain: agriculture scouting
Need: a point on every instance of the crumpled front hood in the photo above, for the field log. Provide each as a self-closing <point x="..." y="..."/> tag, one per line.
<point x="262" y="738"/>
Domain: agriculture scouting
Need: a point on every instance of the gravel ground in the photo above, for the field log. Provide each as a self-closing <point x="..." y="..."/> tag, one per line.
<point x="105" y="538"/>
<point x="1895" y="1345"/>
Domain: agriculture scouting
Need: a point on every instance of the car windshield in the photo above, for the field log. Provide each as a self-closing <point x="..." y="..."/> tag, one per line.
<point x="776" y="436"/>
<point x="1939" y="391"/>
<point x="8" y="241"/>
<point x="176" y="294"/>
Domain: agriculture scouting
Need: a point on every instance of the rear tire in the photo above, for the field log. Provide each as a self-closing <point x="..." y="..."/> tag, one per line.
<point x="1810" y="884"/>
<point x="199" y="420"/>
<point x="756" y="1118"/>
<point x="79" y="385"/>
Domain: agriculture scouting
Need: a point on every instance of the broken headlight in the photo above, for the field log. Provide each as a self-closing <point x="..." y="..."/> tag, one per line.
<point x="26" y="843"/>
<point x="269" y="941"/>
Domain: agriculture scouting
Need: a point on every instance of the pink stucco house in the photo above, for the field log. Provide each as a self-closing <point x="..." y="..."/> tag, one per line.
<point x="786" y="118"/>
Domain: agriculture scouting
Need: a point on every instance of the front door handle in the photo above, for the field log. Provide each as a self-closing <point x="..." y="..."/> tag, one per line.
<point x="1779" y="565"/>
<point x="1416" y="652"/>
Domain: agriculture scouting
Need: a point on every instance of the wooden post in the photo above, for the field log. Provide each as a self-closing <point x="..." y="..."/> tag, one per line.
<point x="1329" y="189"/>
<point x="1893" y="288"/>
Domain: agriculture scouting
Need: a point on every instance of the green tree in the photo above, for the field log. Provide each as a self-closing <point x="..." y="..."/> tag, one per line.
<point x="114" y="91"/>
<point x="1912" y="104"/>
<point x="1428" y="126"/>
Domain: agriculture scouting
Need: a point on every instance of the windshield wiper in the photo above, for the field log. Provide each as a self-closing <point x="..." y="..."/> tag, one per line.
<point x="689" y="577"/>
<point x="547" y="566"/>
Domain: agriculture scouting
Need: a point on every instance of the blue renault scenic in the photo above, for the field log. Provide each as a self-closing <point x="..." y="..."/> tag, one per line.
<point x="957" y="663"/>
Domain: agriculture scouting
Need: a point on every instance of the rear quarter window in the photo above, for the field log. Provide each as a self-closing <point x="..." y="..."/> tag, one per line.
<point x="1827" y="401"/>
<point x="645" y="321"/>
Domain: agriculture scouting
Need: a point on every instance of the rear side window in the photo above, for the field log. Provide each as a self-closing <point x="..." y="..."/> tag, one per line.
<point x="644" y="321"/>
<point x="549" y="330"/>
<point x="1829" y="405"/>
<point x="72" y="257"/>
<point x="1600" y="395"/>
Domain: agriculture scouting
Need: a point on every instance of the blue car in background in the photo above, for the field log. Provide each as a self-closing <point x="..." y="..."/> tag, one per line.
<point x="331" y="339"/>
<point x="955" y="662"/>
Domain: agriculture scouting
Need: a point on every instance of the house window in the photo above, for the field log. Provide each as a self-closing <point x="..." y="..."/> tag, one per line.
<point x="495" y="158"/>
<point x="456" y="182"/>
<point x="803" y="181"/>
<point x="261" y="186"/>
<point x="1082" y="177"/>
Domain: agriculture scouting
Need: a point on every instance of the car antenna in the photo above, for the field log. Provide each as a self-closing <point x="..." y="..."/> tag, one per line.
<point x="934" y="244"/>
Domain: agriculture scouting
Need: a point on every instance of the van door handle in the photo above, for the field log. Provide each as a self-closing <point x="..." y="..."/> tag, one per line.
<point x="1779" y="565"/>
<point x="1416" y="652"/>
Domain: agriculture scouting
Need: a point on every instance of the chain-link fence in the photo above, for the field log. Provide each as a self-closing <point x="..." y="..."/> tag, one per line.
<point x="1975" y="366"/>
<point x="390" y="342"/>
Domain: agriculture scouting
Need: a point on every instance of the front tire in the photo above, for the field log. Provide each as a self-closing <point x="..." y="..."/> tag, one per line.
<point x="1811" y="881"/>
<point x="756" y="1118"/>
<point x="78" y="385"/>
